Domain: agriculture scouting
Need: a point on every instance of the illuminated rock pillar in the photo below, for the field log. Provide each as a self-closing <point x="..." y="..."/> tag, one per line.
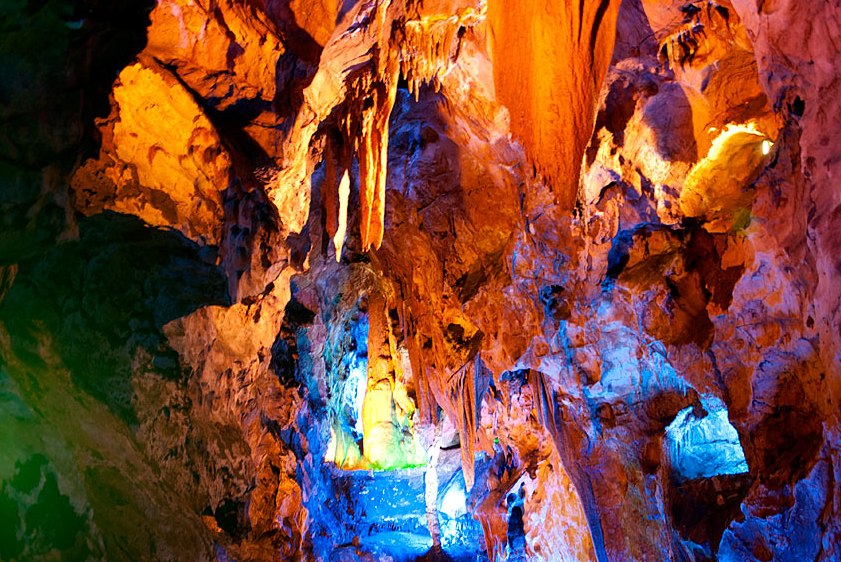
<point x="381" y="440"/>
<point x="431" y="487"/>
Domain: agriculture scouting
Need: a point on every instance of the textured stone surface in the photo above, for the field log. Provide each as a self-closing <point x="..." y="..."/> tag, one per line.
<point x="569" y="273"/>
<point x="549" y="65"/>
<point x="174" y="180"/>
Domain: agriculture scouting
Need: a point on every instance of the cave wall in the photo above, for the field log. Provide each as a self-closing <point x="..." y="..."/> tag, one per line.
<point x="582" y="240"/>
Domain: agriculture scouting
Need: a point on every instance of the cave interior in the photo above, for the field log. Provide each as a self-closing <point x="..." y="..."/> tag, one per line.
<point x="420" y="280"/>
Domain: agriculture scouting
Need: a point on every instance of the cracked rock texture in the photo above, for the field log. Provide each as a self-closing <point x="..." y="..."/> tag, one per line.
<point x="403" y="280"/>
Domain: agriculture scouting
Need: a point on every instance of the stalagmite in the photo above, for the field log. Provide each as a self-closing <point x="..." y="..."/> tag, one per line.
<point x="389" y="438"/>
<point x="380" y="445"/>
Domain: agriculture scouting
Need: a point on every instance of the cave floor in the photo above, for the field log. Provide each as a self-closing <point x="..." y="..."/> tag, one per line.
<point x="386" y="511"/>
<point x="397" y="546"/>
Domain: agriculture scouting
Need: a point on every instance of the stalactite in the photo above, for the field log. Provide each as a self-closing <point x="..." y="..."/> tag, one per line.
<point x="429" y="47"/>
<point x="544" y="401"/>
<point x="465" y="391"/>
<point x="680" y="46"/>
<point x="549" y="64"/>
<point x="367" y="127"/>
<point x="341" y="227"/>
<point x="422" y="53"/>
<point x="328" y="190"/>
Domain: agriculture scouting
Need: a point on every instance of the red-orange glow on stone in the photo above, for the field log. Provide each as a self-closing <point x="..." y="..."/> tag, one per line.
<point x="372" y="150"/>
<point x="550" y="60"/>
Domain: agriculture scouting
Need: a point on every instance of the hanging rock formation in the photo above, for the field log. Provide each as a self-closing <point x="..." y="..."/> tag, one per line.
<point x="549" y="64"/>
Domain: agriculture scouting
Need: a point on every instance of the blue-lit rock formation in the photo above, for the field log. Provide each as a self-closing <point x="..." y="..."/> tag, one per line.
<point x="706" y="446"/>
<point x="401" y="280"/>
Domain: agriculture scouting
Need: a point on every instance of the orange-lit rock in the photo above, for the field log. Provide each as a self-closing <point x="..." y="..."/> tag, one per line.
<point x="549" y="64"/>
<point x="573" y="264"/>
<point x="225" y="52"/>
<point x="164" y="161"/>
<point x="316" y="18"/>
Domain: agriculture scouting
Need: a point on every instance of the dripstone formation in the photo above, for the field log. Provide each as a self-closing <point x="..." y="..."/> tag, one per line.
<point x="397" y="280"/>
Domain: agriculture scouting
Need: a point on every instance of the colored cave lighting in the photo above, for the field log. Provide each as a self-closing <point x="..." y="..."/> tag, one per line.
<point x="714" y="186"/>
<point x="372" y="427"/>
<point x="355" y="387"/>
<point x="453" y="511"/>
<point x="707" y="446"/>
<point x="725" y="146"/>
<point x="355" y="364"/>
<point x="733" y="129"/>
<point x="346" y="431"/>
<point x="738" y="145"/>
<point x="454" y="503"/>
<point x="389" y="442"/>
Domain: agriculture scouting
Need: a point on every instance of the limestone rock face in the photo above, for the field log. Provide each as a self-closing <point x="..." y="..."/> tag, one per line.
<point x="286" y="280"/>
<point x="173" y="181"/>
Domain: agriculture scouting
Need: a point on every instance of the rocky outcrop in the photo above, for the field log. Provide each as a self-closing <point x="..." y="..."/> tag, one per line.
<point x="174" y="181"/>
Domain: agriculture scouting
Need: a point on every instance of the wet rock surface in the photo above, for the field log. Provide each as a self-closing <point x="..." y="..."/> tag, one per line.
<point x="569" y="274"/>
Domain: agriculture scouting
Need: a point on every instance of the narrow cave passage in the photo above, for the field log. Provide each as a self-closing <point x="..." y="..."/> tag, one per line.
<point x="399" y="487"/>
